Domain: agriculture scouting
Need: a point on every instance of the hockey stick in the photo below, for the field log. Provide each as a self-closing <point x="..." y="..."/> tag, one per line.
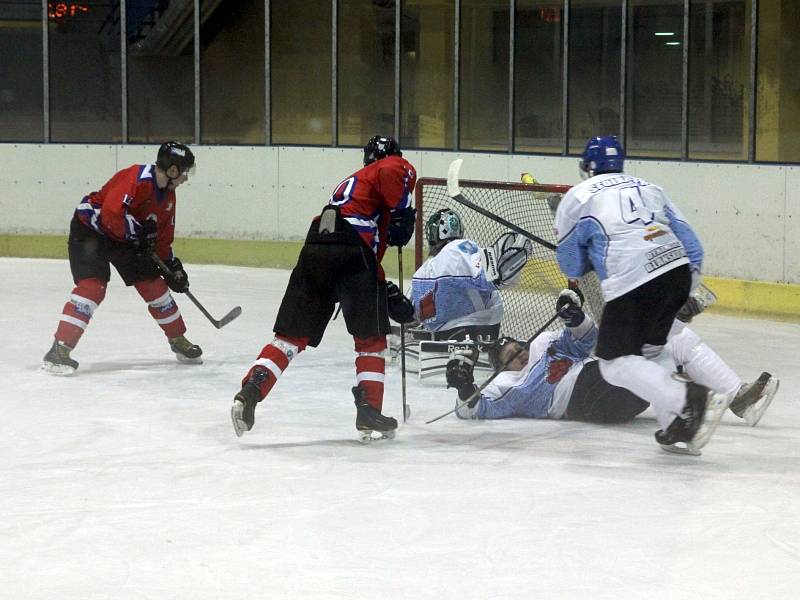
<point x="234" y="312"/>
<point x="406" y="407"/>
<point x="454" y="191"/>
<point x="476" y="394"/>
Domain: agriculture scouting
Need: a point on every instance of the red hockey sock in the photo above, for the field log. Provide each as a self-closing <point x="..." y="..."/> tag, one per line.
<point x="75" y="316"/>
<point x="370" y="367"/>
<point x="275" y="358"/>
<point x="161" y="306"/>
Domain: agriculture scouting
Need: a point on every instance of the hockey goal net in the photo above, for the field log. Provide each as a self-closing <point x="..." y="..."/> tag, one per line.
<point x="531" y="207"/>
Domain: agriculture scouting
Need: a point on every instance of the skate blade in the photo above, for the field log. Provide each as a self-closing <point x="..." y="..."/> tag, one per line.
<point x="681" y="448"/>
<point x="715" y="408"/>
<point x="367" y="436"/>
<point x="753" y="413"/>
<point x="189" y="361"/>
<point x="239" y="424"/>
<point x="54" y="369"/>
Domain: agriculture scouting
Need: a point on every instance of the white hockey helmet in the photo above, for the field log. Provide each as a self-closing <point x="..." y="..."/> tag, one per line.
<point x="444" y="224"/>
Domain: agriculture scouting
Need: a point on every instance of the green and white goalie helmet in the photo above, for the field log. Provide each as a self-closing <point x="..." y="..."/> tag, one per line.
<point x="443" y="225"/>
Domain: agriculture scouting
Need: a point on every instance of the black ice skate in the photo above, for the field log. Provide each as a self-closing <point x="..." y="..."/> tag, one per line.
<point x="753" y="399"/>
<point x="371" y="424"/>
<point x="692" y="429"/>
<point x="185" y="351"/>
<point x="57" y="361"/>
<point x="243" y="411"/>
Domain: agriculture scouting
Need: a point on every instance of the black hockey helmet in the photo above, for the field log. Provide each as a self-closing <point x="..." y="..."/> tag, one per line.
<point x="495" y="350"/>
<point x="177" y="154"/>
<point x="379" y="147"/>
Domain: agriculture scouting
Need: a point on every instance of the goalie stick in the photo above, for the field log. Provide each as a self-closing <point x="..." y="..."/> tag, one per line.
<point x="219" y="324"/>
<point x="454" y="191"/>
<point x="476" y="394"/>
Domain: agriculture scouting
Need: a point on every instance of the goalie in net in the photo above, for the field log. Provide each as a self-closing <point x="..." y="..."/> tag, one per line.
<point x="528" y="303"/>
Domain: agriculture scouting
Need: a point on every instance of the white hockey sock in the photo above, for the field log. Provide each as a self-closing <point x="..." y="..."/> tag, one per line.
<point x="701" y="363"/>
<point x="650" y="382"/>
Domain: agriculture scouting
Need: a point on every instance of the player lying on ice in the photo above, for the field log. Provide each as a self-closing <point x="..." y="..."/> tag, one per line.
<point x="129" y="219"/>
<point x="341" y="262"/>
<point x="556" y="377"/>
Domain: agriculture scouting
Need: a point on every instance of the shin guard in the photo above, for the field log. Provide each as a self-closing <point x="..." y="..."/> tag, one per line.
<point x="162" y="306"/>
<point x="370" y="368"/>
<point x="77" y="312"/>
<point x="274" y="359"/>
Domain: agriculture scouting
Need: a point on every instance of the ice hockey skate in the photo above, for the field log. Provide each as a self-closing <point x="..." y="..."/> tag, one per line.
<point x="243" y="411"/>
<point x="693" y="428"/>
<point x="371" y="424"/>
<point x="57" y="361"/>
<point x="753" y="399"/>
<point x="185" y="351"/>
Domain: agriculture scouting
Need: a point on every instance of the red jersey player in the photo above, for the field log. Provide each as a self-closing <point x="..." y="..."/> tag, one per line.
<point x="341" y="262"/>
<point x="123" y="224"/>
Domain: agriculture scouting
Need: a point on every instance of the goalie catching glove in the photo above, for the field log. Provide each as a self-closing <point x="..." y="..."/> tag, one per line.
<point x="459" y="373"/>
<point x="400" y="308"/>
<point x="569" y="307"/>
<point x="176" y="279"/>
<point x="504" y="261"/>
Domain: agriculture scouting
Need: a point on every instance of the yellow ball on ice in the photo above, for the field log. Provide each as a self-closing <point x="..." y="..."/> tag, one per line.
<point x="528" y="178"/>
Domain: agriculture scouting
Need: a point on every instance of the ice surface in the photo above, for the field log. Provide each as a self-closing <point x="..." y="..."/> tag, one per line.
<point x="126" y="481"/>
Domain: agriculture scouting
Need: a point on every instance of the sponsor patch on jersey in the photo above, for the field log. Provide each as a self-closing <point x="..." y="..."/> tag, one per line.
<point x="653" y="233"/>
<point x="663" y="255"/>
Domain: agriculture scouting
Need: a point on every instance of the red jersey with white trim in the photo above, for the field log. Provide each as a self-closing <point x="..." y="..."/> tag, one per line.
<point x="367" y="198"/>
<point x="127" y="199"/>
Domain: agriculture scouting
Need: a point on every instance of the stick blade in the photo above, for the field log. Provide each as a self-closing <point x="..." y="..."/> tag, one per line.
<point x="234" y="313"/>
<point x="453" y="188"/>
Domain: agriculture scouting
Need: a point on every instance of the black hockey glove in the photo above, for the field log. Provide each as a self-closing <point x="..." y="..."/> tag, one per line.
<point x="176" y="279"/>
<point x="459" y="374"/>
<point x="144" y="237"/>
<point x="400" y="308"/>
<point x="401" y="226"/>
<point x="568" y="307"/>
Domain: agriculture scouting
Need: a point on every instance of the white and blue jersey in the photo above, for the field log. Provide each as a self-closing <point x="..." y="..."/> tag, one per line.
<point x="624" y="228"/>
<point x="451" y="290"/>
<point x="528" y="393"/>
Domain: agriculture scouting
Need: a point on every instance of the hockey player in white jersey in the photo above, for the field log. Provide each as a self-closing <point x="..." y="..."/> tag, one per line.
<point x="557" y="378"/>
<point x="456" y="290"/>
<point x="648" y="260"/>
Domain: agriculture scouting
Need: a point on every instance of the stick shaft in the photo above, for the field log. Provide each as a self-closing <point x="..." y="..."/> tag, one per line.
<point x="217" y="323"/>
<point x="402" y="337"/>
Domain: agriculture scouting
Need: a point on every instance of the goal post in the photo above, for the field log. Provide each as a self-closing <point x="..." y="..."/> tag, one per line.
<point x="530" y="304"/>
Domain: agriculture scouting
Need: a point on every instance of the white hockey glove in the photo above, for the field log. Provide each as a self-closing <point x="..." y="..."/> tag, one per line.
<point x="504" y="261"/>
<point x="697" y="277"/>
<point x="700" y="299"/>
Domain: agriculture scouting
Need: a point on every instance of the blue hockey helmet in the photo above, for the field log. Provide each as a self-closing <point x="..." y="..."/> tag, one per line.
<point x="379" y="147"/>
<point x="603" y="154"/>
